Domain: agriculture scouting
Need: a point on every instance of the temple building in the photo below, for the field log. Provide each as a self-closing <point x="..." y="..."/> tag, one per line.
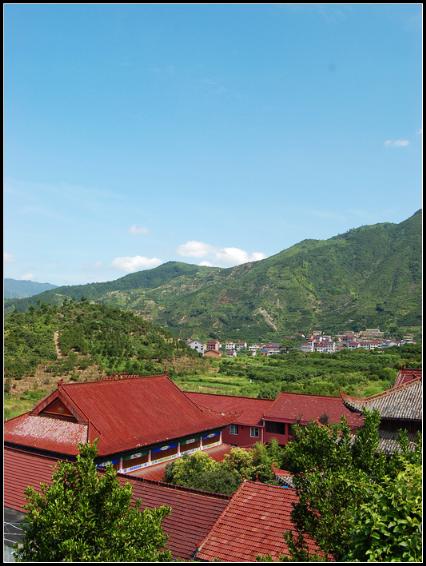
<point x="400" y="408"/>
<point x="138" y="422"/>
<point x="261" y="420"/>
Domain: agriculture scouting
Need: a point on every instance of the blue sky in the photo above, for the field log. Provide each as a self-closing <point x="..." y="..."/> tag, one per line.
<point x="208" y="134"/>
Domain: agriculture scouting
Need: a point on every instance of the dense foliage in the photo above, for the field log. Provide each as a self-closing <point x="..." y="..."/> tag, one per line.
<point x="86" y="516"/>
<point x="200" y="471"/>
<point x="117" y="341"/>
<point x="357" y="503"/>
<point x="367" y="277"/>
<point x="356" y="372"/>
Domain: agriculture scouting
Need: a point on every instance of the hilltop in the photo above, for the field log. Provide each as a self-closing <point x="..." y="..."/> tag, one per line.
<point x="19" y="289"/>
<point x="368" y="277"/>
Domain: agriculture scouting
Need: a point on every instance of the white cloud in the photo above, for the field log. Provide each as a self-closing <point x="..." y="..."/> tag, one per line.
<point x="7" y="258"/>
<point x="134" y="263"/>
<point x="192" y="248"/>
<point x="396" y="143"/>
<point x="214" y="255"/>
<point x="27" y="277"/>
<point x="137" y="230"/>
<point x="237" y="256"/>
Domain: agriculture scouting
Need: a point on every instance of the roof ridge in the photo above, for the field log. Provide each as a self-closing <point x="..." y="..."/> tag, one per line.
<point x="230" y="396"/>
<point x="115" y="377"/>
<point x="386" y="392"/>
<point x="306" y="395"/>
<point x="174" y="486"/>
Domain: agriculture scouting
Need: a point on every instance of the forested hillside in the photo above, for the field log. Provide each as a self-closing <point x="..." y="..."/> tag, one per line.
<point x="77" y="334"/>
<point x="368" y="277"/>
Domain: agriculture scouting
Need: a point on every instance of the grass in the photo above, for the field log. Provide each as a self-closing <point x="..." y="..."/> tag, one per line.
<point x="14" y="406"/>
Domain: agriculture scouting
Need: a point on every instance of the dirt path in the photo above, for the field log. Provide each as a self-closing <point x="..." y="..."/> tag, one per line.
<point x="56" y="340"/>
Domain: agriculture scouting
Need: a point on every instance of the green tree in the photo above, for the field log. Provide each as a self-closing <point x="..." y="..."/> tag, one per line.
<point x="388" y="527"/>
<point x="85" y="515"/>
<point x="350" y="491"/>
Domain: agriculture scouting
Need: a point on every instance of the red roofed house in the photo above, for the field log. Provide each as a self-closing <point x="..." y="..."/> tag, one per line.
<point x="138" y="421"/>
<point x="262" y="419"/>
<point x="252" y="524"/>
<point x="295" y="408"/>
<point x="193" y="513"/>
<point x="247" y="424"/>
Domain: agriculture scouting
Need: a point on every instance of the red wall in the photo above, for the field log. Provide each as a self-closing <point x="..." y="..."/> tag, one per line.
<point x="243" y="437"/>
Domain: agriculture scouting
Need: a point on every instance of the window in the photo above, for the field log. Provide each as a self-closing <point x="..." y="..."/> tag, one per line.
<point x="233" y="429"/>
<point x="254" y="432"/>
<point x="277" y="428"/>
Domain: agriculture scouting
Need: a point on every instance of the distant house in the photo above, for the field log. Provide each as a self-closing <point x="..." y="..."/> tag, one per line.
<point x="197" y="346"/>
<point x="212" y="354"/>
<point x="270" y="349"/>
<point x="253" y="349"/>
<point x="400" y="408"/>
<point x="325" y="346"/>
<point x="241" y="346"/>
<point x="213" y="346"/>
<point x="231" y="353"/>
<point x="229" y="345"/>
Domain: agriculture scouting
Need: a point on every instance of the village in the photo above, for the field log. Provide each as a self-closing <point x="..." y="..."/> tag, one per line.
<point x="317" y="341"/>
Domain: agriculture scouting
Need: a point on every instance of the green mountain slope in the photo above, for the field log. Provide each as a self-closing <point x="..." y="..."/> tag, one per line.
<point x="18" y="289"/>
<point x="85" y="333"/>
<point x="370" y="276"/>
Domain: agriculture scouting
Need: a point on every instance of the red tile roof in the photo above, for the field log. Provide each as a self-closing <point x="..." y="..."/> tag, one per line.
<point x="406" y="375"/>
<point x="193" y="512"/>
<point x="291" y="407"/>
<point x="45" y="433"/>
<point x="252" y="524"/>
<point x="124" y="412"/>
<point x="247" y="410"/>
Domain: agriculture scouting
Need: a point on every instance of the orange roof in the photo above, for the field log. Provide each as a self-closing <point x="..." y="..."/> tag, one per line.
<point x="193" y="512"/>
<point x="124" y="412"/>
<point x="252" y="524"/>
<point x="247" y="410"/>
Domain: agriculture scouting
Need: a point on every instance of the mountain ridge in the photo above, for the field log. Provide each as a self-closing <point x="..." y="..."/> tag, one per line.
<point x="22" y="288"/>
<point x="367" y="276"/>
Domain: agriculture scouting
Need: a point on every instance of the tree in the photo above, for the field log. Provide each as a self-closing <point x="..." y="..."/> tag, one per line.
<point x="354" y="501"/>
<point x="388" y="527"/>
<point x="86" y="515"/>
<point x="199" y="471"/>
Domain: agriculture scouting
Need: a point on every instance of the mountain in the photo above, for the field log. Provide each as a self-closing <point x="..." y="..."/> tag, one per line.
<point x="17" y="289"/>
<point x="368" y="277"/>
